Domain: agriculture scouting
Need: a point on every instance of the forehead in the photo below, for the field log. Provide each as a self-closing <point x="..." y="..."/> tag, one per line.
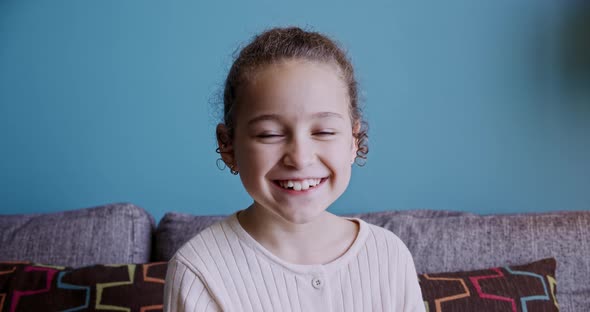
<point x="294" y="89"/>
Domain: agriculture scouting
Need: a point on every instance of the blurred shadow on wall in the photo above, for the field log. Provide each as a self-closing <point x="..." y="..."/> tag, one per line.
<point x="575" y="50"/>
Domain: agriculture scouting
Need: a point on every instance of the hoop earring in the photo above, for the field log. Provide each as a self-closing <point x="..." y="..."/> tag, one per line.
<point x="233" y="171"/>
<point x="220" y="164"/>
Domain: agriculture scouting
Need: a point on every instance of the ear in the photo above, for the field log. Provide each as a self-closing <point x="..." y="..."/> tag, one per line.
<point x="356" y="129"/>
<point x="224" y="144"/>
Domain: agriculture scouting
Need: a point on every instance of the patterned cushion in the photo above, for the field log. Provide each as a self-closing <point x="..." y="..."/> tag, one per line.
<point x="464" y="243"/>
<point x="529" y="287"/>
<point x="139" y="287"/>
<point x="127" y="287"/>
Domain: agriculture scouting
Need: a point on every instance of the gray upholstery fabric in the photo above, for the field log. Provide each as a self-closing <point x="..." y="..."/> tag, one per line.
<point x="465" y="242"/>
<point x="443" y="241"/>
<point x="175" y="229"/>
<point x="116" y="233"/>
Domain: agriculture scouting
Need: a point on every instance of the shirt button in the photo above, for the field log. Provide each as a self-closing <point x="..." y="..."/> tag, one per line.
<point x="317" y="283"/>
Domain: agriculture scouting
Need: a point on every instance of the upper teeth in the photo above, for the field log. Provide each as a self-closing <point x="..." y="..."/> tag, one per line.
<point x="300" y="184"/>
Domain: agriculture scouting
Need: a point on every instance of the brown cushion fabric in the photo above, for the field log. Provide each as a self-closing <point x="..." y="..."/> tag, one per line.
<point x="140" y="287"/>
<point x="127" y="287"/>
<point x="530" y="287"/>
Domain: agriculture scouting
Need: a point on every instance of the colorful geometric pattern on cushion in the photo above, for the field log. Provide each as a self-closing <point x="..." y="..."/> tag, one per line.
<point x="528" y="288"/>
<point x="26" y="286"/>
<point x="129" y="287"/>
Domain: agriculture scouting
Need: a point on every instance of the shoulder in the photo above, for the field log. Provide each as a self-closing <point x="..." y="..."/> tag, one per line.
<point x="184" y="281"/>
<point x="199" y="252"/>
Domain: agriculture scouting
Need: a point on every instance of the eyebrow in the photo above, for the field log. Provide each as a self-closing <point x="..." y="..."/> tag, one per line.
<point x="277" y="117"/>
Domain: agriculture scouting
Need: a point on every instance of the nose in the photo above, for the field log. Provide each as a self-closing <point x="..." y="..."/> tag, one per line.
<point x="299" y="153"/>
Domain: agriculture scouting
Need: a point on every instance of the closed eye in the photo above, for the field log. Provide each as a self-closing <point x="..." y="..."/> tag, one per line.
<point x="324" y="133"/>
<point x="269" y="135"/>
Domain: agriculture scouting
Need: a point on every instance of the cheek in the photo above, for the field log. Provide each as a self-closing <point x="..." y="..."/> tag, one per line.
<point x="254" y="157"/>
<point x="341" y="152"/>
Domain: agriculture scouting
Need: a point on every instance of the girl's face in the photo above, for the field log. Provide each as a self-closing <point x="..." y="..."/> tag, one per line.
<point x="293" y="142"/>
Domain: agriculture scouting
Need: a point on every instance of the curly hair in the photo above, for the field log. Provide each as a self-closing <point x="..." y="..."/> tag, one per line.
<point x="279" y="44"/>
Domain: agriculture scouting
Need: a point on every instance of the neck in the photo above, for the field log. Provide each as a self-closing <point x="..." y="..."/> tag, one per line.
<point x="317" y="242"/>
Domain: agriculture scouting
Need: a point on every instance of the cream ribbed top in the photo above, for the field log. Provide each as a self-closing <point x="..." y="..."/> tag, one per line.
<point x="224" y="269"/>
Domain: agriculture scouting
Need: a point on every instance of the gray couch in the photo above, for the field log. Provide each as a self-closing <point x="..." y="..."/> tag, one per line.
<point x="440" y="241"/>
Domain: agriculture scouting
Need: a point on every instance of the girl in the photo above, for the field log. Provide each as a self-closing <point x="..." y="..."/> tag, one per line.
<point x="292" y="129"/>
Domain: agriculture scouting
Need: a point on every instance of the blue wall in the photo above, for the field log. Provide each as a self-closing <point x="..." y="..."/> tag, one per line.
<point x="472" y="106"/>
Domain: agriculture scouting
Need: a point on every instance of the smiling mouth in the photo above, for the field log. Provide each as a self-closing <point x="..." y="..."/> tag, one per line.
<point x="300" y="185"/>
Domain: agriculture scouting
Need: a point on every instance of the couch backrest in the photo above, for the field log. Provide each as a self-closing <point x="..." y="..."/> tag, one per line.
<point x="466" y="242"/>
<point x="443" y="241"/>
<point x="110" y="234"/>
<point x="175" y="229"/>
